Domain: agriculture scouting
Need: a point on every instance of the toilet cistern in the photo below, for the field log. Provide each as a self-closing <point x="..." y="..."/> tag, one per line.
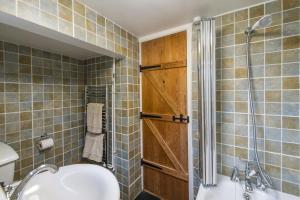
<point x="8" y="156"/>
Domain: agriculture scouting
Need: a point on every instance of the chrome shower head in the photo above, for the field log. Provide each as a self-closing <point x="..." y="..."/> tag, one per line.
<point x="261" y="23"/>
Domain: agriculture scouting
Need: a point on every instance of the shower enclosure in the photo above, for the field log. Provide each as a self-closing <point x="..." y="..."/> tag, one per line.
<point x="206" y="71"/>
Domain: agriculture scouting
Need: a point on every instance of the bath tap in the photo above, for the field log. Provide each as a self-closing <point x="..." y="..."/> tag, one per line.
<point x="235" y="176"/>
<point x="260" y="184"/>
<point x="248" y="175"/>
<point x="51" y="168"/>
<point x="253" y="177"/>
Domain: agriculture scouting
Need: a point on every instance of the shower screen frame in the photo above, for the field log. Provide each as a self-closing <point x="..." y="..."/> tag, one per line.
<point x="206" y="69"/>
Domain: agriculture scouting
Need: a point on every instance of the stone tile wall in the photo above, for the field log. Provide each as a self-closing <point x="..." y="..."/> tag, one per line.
<point x="40" y="92"/>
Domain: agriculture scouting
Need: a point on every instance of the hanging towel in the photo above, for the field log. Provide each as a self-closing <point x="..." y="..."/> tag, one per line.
<point x="94" y="117"/>
<point x="93" y="147"/>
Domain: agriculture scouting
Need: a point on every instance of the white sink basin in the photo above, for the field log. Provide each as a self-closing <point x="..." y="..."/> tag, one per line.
<point x="76" y="182"/>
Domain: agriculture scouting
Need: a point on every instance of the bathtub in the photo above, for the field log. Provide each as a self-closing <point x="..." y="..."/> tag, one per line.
<point x="229" y="190"/>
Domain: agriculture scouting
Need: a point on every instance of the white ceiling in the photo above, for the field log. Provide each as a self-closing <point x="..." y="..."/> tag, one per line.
<point x="143" y="17"/>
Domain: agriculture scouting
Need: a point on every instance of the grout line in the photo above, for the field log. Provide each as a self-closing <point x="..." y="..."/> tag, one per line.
<point x="234" y="96"/>
<point x="281" y="93"/>
<point x="221" y="106"/>
<point x="31" y="92"/>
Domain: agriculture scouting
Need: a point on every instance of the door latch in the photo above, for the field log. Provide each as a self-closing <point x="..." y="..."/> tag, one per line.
<point x="181" y="118"/>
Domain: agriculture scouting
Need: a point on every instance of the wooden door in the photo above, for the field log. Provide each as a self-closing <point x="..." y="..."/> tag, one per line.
<point x="168" y="51"/>
<point x="174" y="50"/>
<point x="152" y="52"/>
<point x="165" y="144"/>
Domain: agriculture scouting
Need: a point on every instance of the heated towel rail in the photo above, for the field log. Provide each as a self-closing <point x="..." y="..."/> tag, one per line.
<point x="99" y="94"/>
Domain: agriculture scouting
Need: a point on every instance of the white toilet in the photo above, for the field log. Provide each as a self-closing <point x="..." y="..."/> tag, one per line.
<point x="8" y="156"/>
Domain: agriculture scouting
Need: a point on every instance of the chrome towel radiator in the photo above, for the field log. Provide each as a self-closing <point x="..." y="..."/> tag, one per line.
<point x="99" y="94"/>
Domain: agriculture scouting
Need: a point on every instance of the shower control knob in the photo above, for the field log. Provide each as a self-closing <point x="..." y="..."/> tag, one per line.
<point x="252" y="173"/>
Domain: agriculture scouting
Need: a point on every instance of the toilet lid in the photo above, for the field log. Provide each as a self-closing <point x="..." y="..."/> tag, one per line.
<point x="7" y="154"/>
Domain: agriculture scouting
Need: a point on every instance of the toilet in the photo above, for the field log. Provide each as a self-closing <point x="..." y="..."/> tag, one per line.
<point x="8" y="156"/>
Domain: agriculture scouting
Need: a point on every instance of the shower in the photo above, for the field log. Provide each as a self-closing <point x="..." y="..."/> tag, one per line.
<point x="261" y="23"/>
<point x="250" y="31"/>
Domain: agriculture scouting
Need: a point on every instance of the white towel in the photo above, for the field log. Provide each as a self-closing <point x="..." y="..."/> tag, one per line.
<point x="94" y="117"/>
<point x="93" y="147"/>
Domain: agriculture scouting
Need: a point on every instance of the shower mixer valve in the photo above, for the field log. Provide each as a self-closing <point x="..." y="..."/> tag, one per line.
<point x="250" y="176"/>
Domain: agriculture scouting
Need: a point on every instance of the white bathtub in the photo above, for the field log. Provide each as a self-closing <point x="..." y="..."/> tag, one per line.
<point x="229" y="190"/>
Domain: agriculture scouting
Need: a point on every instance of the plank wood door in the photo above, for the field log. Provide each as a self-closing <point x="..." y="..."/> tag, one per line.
<point x="164" y="114"/>
<point x="167" y="52"/>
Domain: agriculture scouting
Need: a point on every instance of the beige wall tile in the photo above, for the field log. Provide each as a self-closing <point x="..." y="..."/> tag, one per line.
<point x="241" y="15"/>
<point x="291" y="149"/>
<point x="291" y="55"/>
<point x="67" y="3"/>
<point x="273" y="96"/>
<point x="79" y="8"/>
<point x="290" y="122"/>
<point x="291" y="83"/>
<point x="65" y="13"/>
<point x="91" y="26"/>
<point x="273" y="7"/>
<point x="291" y="42"/>
<point x="291" y="15"/>
<point x="227" y="29"/>
<point x="100" y="20"/>
<point x="290" y="188"/>
<point x="228" y="18"/>
<point x="273" y="58"/>
<point x="288" y="4"/>
<point x="257" y="11"/>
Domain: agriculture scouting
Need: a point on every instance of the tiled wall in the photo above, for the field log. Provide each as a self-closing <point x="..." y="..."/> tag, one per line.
<point x="79" y="21"/>
<point x="128" y="147"/>
<point x="128" y="150"/>
<point x="40" y="92"/>
<point x="276" y="58"/>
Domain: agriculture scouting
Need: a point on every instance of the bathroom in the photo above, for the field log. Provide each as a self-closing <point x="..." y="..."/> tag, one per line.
<point x="198" y="99"/>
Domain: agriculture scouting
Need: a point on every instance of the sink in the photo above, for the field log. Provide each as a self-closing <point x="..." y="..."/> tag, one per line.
<point x="76" y="182"/>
